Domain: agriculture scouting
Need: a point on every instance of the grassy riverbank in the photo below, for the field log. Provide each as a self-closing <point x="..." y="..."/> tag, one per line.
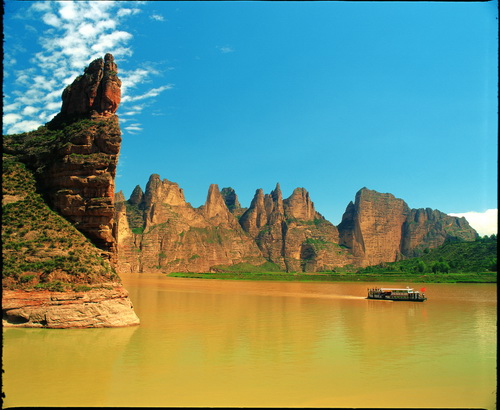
<point x="486" y="277"/>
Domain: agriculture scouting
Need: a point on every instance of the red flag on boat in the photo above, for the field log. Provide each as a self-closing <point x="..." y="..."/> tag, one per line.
<point x="422" y="290"/>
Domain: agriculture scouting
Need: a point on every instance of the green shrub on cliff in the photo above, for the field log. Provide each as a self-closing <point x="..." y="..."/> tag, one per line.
<point x="451" y="257"/>
<point x="39" y="246"/>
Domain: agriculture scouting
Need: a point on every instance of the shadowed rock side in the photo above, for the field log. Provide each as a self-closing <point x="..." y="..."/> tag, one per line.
<point x="430" y="228"/>
<point x="379" y="228"/>
<point x="72" y="161"/>
<point x="96" y="91"/>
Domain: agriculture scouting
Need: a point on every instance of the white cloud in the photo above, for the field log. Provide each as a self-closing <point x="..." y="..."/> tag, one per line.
<point x="157" y="17"/>
<point x="225" y="49"/>
<point x="68" y="10"/>
<point x="11" y="118"/>
<point x="51" y="20"/>
<point x="12" y="107"/>
<point x="24" y="126"/>
<point x="151" y="93"/>
<point x="133" y="128"/>
<point x="76" y="33"/>
<point x="127" y="12"/>
<point x="29" y="110"/>
<point x="485" y="223"/>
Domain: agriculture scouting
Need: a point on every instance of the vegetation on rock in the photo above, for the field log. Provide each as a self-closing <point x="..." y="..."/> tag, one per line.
<point x="452" y="257"/>
<point x="41" y="249"/>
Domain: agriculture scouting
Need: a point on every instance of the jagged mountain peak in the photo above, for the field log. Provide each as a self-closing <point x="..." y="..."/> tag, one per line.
<point x="96" y="92"/>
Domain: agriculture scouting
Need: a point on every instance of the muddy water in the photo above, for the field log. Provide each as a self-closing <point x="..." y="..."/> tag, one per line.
<point x="271" y="344"/>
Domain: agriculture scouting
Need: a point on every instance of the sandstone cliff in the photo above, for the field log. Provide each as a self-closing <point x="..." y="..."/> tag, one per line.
<point x="430" y="228"/>
<point x="174" y="236"/>
<point x="379" y="228"/>
<point x="159" y="231"/>
<point x="74" y="157"/>
<point x="67" y="166"/>
<point x="291" y="233"/>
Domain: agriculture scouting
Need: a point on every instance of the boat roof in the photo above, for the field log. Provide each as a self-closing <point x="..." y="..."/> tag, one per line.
<point x="407" y="289"/>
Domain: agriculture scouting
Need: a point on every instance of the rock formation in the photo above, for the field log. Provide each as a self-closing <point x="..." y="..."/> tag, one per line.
<point x="291" y="233"/>
<point x="379" y="228"/>
<point x="76" y="171"/>
<point x="171" y="235"/>
<point x="102" y="307"/>
<point x="288" y="232"/>
<point x="428" y="228"/>
<point x="230" y="198"/>
<point x="174" y="236"/>
<point x="73" y="162"/>
<point x="96" y="91"/>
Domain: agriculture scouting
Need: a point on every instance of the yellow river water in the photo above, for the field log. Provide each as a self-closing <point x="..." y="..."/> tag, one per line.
<point x="268" y="344"/>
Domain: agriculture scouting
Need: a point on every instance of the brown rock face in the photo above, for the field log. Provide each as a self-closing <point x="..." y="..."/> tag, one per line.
<point x="60" y="310"/>
<point x="300" y="206"/>
<point x="291" y="233"/>
<point x="97" y="90"/>
<point x="170" y="235"/>
<point x="74" y="157"/>
<point x="175" y="237"/>
<point x="381" y="228"/>
<point x="372" y="227"/>
<point x="80" y="178"/>
<point x="72" y="163"/>
<point x="428" y="228"/>
<point x="80" y="181"/>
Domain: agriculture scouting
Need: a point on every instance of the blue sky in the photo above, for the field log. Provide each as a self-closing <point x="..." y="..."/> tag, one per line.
<point x="329" y="96"/>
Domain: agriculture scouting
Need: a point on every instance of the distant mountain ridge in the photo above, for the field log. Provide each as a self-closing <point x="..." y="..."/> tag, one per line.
<point x="159" y="231"/>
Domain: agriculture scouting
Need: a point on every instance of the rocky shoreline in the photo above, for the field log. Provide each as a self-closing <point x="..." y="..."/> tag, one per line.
<point x="107" y="306"/>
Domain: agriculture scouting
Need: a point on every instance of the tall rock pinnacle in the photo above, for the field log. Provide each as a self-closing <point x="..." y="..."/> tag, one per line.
<point x="97" y="91"/>
<point x="78" y="172"/>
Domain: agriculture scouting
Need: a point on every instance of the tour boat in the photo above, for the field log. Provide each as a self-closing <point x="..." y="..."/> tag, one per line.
<point x="405" y="294"/>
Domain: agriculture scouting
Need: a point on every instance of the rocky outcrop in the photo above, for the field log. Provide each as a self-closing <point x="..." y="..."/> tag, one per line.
<point x="56" y="261"/>
<point x="430" y="228"/>
<point x="100" y="307"/>
<point x="174" y="236"/>
<point x="379" y="227"/>
<point x="230" y="198"/>
<point x="96" y="91"/>
<point x="80" y="181"/>
<point x="74" y="157"/>
<point x="170" y="235"/>
<point x="291" y="233"/>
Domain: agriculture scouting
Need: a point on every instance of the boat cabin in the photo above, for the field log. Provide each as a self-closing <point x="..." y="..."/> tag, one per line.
<point x="396" y="294"/>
